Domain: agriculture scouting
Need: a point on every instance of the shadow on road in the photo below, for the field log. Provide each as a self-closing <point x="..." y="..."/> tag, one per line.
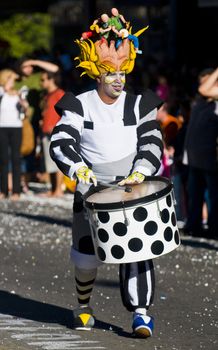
<point x="42" y="218"/>
<point x="199" y="244"/>
<point x="107" y="283"/>
<point x="18" y="306"/>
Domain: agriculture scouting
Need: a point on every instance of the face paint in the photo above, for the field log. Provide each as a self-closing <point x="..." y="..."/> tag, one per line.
<point x="110" y="78"/>
<point x="111" y="85"/>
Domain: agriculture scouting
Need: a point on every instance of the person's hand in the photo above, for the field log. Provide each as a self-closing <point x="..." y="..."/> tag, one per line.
<point x="24" y="104"/>
<point x="29" y="62"/>
<point x="132" y="179"/>
<point x="86" y="175"/>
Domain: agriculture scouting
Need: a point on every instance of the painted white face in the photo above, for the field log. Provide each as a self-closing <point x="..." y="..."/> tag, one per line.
<point x="113" y="83"/>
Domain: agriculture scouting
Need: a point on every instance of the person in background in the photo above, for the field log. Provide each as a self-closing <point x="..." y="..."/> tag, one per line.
<point x="201" y="153"/>
<point x="179" y="171"/>
<point x="29" y="71"/>
<point x="11" y="107"/>
<point x="209" y="87"/>
<point x="107" y="134"/>
<point x="65" y="62"/>
<point x="50" y="82"/>
<point x="162" y="89"/>
<point x="170" y="126"/>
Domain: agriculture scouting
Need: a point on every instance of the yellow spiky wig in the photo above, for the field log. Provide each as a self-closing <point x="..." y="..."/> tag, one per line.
<point x="99" y="56"/>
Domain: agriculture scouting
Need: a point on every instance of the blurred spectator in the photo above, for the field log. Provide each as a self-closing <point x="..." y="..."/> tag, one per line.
<point x="65" y="62"/>
<point x="50" y="82"/>
<point x="209" y="86"/>
<point x="174" y="130"/>
<point x="179" y="170"/>
<point x="29" y="71"/>
<point x="11" y="109"/>
<point x="170" y="126"/>
<point x="201" y="147"/>
<point x="162" y="89"/>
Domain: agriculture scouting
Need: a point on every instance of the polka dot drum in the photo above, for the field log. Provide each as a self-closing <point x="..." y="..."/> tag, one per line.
<point x="135" y="223"/>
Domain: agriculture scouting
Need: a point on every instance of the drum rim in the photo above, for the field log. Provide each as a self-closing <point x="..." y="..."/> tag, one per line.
<point x="131" y="203"/>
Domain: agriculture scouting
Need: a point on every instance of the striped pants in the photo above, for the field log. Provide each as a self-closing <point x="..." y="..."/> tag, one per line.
<point x="137" y="284"/>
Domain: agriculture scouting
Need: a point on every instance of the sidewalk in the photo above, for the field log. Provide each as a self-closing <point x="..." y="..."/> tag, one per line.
<point x="35" y="189"/>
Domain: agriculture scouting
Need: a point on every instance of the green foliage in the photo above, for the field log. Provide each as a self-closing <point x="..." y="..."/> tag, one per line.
<point x="26" y="33"/>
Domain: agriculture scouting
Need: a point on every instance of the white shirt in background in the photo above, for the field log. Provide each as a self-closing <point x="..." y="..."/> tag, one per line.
<point x="9" y="113"/>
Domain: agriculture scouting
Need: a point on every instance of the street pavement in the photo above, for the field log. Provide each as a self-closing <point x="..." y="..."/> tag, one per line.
<point x="37" y="291"/>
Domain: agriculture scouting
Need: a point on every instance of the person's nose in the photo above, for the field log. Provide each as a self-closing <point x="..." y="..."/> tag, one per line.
<point x="118" y="77"/>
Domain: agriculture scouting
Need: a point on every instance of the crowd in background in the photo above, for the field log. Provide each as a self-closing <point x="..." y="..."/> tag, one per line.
<point x="30" y="87"/>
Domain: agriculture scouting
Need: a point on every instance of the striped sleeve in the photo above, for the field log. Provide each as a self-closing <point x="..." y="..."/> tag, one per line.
<point x="65" y="143"/>
<point x="150" y="145"/>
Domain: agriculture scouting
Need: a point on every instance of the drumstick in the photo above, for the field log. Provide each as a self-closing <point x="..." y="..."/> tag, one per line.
<point x="125" y="188"/>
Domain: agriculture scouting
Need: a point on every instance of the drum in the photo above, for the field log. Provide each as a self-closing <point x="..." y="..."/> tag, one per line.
<point x="135" y="223"/>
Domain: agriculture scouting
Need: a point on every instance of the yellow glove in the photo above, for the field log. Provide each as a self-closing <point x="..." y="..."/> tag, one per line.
<point x="134" y="178"/>
<point x="84" y="175"/>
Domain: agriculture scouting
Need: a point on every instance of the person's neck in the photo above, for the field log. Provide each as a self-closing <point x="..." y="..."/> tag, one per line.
<point x="51" y="89"/>
<point x="107" y="99"/>
<point x="11" y="91"/>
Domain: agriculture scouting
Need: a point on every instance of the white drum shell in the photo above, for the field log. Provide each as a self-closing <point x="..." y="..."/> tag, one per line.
<point x="138" y="233"/>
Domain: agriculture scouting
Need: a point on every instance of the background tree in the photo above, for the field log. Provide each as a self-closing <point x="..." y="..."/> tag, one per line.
<point x="26" y="33"/>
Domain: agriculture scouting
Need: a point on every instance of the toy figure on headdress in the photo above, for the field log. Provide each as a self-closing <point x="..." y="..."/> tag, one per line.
<point x="105" y="27"/>
<point x="92" y="32"/>
<point x="112" y="46"/>
<point x="124" y="34"/>
<point x="117" y="20"/>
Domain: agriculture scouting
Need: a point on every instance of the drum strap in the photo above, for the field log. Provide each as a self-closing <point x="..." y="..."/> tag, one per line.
<point x="148" y="102"/>
<point x="129" y="117"/>
<point x="70" y="103"/>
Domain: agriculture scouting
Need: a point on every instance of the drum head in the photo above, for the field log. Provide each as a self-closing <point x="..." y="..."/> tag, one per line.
<point x="102" y="197"/>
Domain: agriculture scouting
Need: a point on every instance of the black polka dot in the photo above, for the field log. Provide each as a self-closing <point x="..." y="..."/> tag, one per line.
<point x="140" y="214"/>
<point x="103" y="216"/>
<point x="103" y="235"/>
<point x="157" y="248"/>
<point x="117" y="252"/>
<point x="135" y="244"/>
<point x="173" y="219"/>
<point x="176" y="237"/>
<point x="169" y="200"/>
<point x="165" y="215"/>
<point x="150" y="228"/>
<point x="120" y="229"/>
<point x="86" y="245"/>
<point x="101" y="254"/>
<point x="168" y="234"/>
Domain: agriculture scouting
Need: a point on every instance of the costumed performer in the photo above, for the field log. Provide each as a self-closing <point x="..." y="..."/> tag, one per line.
<point x="107" y="134"/>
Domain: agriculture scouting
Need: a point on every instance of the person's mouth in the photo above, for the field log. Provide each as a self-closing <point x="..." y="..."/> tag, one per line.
<point x="117" y="87"/>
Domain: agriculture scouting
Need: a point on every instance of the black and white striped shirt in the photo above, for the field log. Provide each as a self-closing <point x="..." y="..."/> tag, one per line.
<point x="113" y="139"/>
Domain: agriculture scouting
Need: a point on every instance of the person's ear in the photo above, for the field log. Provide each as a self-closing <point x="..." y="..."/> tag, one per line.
<point x="98" y="80"/>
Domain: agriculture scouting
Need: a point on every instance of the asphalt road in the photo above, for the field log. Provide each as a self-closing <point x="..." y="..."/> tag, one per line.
<point x="37" y="292"/>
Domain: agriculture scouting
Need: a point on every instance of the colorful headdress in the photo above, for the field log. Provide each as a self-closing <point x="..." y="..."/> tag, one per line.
<point x="112" y="46"/>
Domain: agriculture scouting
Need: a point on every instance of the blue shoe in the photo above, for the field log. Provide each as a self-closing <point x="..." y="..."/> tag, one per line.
<point x="142" y="326"/>
<point x="83" y="319"/>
